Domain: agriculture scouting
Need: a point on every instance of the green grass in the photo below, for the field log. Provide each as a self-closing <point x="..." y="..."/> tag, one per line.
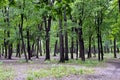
<point x="1" y="62"/>
<point x="87" y="63"/>
<point x="93" y="62"/>
<point x="51" y="61"/>
<point x="6" y="74"/>
<point x="21" y="61"/>
<point x="57" y="72"/>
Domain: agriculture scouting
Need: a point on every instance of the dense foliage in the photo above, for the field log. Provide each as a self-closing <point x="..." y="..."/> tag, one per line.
<point x="67" y="27"/>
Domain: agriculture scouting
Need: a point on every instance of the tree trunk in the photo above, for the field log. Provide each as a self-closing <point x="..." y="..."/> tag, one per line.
<point x="47" y="28"/>
<point x="37" y="55"/>
<point x="101" y="47"/>
<point x="33" y="48"/>
<point x="28" y="45"/>
<point x="10" y="51"/>
<point x="61" y="41"/>
<point x="18" y="50"/>
<point x="94" y="48"/>
<point x="66" y="36"/>
<point x="81" y="41"/>
<point x="40" y="48"/>
<point x="72" y="46"/>
<point x="118" y="50"/>
<point x="8" y="32"/>
<point x="55" y="48"/>
<point x="21" y="31"/>
<point x="115" y="56"/>
<point x="21" y="34"/>
<point x="5" y="45"/>
<point x="98" y="37"/>
<point x="76" y="49"/>
<point x="89" y="52"/>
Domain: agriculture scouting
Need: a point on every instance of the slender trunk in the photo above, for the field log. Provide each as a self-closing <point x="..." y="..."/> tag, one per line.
<point x="99" y="58"/>
<point x="8" y="32"/>
<point x="28" y="45"/>
<point x="66" y="36"/>
<point x="55" y="48"/>
<point x="40" y="48"/>
<point x="10" y="51"/>
<point x="98" y="37"/>
<point x="5" y="45"/>
<point x="37" y="55"/>
<point x="76" y="49"/>
<point x="22" y="38"/>
<point x="117" y="49"/>
<point x="81" y="42"/>
<point x="5" y="41"/>
<point x="47" y="27"/>
<point x="108" y="51"/>
<point x="3" y="50"/>
<point x="47" y="47"/>
<point x="94" y="48"/>
<point x="21" y="31"/>
<point x="115" y="56"/>
<point x="101" y="47"/>
<point x="72" y="45"/>
<point x="105" y="49"/>
<point x="89" y="52"/>
<point x="18" y="50"/>
<point x="61" y="41"/>
<point x="32" y="50"/>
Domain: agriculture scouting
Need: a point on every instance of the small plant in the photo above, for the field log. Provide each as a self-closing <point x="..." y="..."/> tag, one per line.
<point x="6" y="74"/>
<point x="57" y="72"/>
<point x="1" y="62"/>
<point x="87" y="63"/>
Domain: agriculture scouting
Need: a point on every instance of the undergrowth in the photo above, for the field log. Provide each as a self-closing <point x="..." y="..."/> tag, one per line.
<point x="57" y="72"/>
<point x="6" y="74"/>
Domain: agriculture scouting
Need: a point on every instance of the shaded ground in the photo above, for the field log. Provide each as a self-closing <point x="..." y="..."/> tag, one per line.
<point x="111" y="71"/>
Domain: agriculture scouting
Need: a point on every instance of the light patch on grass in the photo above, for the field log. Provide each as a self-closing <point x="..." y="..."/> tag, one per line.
<point x="51" y="61"/>
<point x="57" y="72"/>
<point x="6" y="74"/>
<point x="87" y="63"/>
<point x="24" y="61"/>
<point x="1" y="62"/>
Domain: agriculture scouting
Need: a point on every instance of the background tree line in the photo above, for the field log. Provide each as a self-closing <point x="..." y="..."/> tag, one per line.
<point x="67" y="27"/>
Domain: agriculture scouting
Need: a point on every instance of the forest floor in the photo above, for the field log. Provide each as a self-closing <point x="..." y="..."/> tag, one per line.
<point x="110" y="70"/>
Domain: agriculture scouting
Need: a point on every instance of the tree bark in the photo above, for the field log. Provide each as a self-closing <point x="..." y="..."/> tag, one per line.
<point x="76" y="49"/>
<point x="61" y="41"/>
<point x="47" y="28"/>
<point x="40" y="47"/>
<point x="28" y="45"/>
<point x="22" y="38"/>
<point x="66" y="36"/>
<point x="81" y="41"/>
<point x="89" y="52"/>
<point x="115" y="56"/>
<point x="94" y="48"/>
<point x="18" y="50"/>
<point x="101" y="47"/>
<point x="72" y="46"/>
<point x="98" y="36"/>
<point x="55" y="48"/>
